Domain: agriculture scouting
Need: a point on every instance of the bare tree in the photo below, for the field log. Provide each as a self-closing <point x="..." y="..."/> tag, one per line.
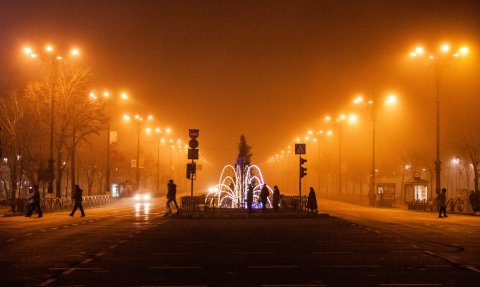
<point x="468" y="144"/>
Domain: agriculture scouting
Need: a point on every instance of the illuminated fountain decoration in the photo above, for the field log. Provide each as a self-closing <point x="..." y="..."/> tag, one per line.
<point x="230" y="192"/>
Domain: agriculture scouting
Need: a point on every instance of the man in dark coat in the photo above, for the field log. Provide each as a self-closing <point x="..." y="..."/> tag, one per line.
<point x="34" y="202"/>
<point x="473" y="201"/>
<point x="171" y="196"/>
<point x="312" y="201"/>
<point x="263" y="197"/>
<point x="249" y="198"/>
<point x="78" y="198"/>
<point x="276" y="197"/>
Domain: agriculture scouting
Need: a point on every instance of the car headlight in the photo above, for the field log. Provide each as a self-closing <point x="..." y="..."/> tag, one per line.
<point x="146" y="197"/>
<point x="137" y="197"/>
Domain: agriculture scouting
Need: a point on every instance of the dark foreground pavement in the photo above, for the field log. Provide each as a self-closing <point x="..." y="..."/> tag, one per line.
<point x="118" y="249"/>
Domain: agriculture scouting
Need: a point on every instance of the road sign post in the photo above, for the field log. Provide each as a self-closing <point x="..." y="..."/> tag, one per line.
<point x="301" y="149"/>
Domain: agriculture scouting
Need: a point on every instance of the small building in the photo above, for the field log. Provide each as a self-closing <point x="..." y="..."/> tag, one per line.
<point x="416" y="191"/>
<point x="386" y="193"/>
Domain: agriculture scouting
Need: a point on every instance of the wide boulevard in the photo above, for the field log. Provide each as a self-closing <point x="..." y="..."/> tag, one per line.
<point x="129" y="244"/>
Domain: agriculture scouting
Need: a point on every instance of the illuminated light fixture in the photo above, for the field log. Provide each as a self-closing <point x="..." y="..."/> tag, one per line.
<point x="92" y="96"/>
<point x="314" y="140"/>
<point x="358" y="100"/>
<point x="49" y="48"/>
<point x="456" y="54"/>
<point x="158" y="130"/>
<point x="330" y="132"/>
<point x="392" y="99"/>
<point x="445" y="48"/>
<point x="464" y="50"/>
<point x="162" y="140"/>
<point x="328" y="118"/>
<point x="310" y="132"/>
<point x="148" y="130"/>
<point x="126" y="117"/>
<point x="27" y="50"/>
<point x="352" y="118"/>
<point x="413" y="54"/>
<point x="297" y="140"/>
<point x="59" y="58"/>
<point x="150" y="117"/>
<point x="106" y="94"/>
<point x="33" y="55"/>
<point x="419" y="50"/>
<point x="75" y="52"/>
<point x="168" y="130"/>
<point x="431" y="57"/>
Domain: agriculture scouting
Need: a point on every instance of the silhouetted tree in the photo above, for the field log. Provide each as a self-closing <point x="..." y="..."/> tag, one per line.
<point x="244" y="150"/>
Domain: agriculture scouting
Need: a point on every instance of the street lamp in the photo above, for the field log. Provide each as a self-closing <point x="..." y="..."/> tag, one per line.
<point x="339" y="124"/>
<point x="139" y="125"/>
<point x="437" y="61"/>
<point x="373" y="108"/>
<point x="108" y="99"/>
<point x="52" y="60"/>
<point x="161" y="140"/>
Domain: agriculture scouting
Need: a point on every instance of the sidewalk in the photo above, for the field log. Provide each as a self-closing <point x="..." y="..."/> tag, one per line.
<point x="6" y="210"/>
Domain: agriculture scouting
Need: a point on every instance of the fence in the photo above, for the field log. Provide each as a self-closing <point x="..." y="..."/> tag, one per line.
<point x="63" y="203"/>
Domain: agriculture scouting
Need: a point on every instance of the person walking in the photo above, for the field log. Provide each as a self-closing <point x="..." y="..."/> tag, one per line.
<point x="312" y="201"/>
<point x="78" y="198"/>
<point x="34" y="201"/>
<point x="249" y="198"/>
<point x="276" y="198"/>
<point x="473" y="201"/>
<point x="442" y="203"/>
<point x="171" y="197"/>
<point x="263" y="197"/>
<point x="30" y="202"/>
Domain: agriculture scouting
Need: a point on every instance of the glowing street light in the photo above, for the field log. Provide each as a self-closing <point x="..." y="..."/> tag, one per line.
<point x="373" y="108"/>
<point x="438" y="61"/>
<point x="51" y="60"/>
<point x="139" y="121"/>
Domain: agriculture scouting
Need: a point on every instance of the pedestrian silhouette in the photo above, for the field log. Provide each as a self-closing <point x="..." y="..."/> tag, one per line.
<point x="312" y="201"/>
<point x="78" y="198"/>
<point x="263" y="197"/>
<point x="171" y="197"/>
<point x="442" y="203"/>
<point x="249" y="198"/>
<point x="473" y="201"/>
<point x="276" y="198"/>
<point x="34" y="201"/>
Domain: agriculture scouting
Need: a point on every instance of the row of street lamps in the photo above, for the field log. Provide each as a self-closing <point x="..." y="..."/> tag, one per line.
<point x="437" y="61"/>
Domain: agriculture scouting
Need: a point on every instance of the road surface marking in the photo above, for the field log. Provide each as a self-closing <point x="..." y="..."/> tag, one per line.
<point x="350" y="266"/>
<point x="331" y="252"/>
<point x="11" y="239"/>
<point x="28" y="234"/>
<point x="66" y="226"/>
<point x="174" y="286"/>
<point x="54" y="228"/>
<point x="86" y="261"/>
<point x="91" y="221"/>
<point x="75" y="224"/>
<point x="471" y="268"/>
<point x="411" y="284"/>
<point x="46" y="282"/>
<point x="252" y="252"/>
<point x="122" y="241"/>
<point x="406" y="251"/>
<point x="413" y="246"/>
<point x="273" y="267"/>
<point x="100" y="253"/>
<point x="293" y="285"/>
<point x="175" y="267"/>
<point x="112" y="247"/>
<point x="172" y="253"/>
<point x="70" y="270"/>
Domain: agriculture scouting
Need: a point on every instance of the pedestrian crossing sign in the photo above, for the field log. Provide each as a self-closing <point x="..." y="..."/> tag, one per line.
<point x="300" y="148"/>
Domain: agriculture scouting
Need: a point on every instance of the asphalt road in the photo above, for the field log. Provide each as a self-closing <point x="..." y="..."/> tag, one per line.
<point x="135" y="245"/>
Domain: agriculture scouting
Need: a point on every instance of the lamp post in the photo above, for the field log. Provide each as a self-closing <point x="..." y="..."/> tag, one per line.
<point x="108" y="100"/>
<point x="139" y="125"/>
<point x="373" y="109"/>
<point x="52" y="60"/>
<point x="437" y="62"/>
<point x="160" y="140"/>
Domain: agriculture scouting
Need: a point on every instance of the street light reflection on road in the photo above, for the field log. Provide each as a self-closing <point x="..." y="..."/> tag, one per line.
<point x="138" y="209"/>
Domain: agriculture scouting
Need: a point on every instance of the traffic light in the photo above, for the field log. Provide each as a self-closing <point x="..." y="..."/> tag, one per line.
<point x="191" y="170"/>
<point x="303" y="170"/>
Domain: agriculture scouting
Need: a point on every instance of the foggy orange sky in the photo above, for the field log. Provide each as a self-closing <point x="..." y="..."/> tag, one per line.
<point x="267" y="69"/>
